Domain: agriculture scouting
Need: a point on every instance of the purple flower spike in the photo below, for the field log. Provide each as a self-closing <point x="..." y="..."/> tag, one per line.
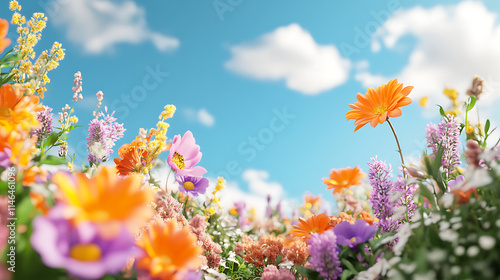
<point x="192" y="186"/>
<point x="353" y="234"/>
<point x="80" y="249"/>
<point x="184" y="154"/>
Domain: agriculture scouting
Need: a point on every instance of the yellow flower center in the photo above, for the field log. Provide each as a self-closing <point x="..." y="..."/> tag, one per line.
<point x="314" y="230"/>
<point x="85" y="252"/>
<point x="353" y="239"/>
<point x="379" y="109"/>
<point x="5" y="112"/>
<point x="188" y="185"/>
<point x="178" y="160"/>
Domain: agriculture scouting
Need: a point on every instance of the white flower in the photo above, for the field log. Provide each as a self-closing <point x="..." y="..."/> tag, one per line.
<point x="487" y="242"/>
<point x="449" y="235"/>
<point x="472" y="251"/>
<point x="404" y="232"/>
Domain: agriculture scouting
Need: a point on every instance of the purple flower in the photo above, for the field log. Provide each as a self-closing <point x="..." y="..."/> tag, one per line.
<point x="405" y="199"/>
<point x="242" y="214"/>
<point x="184" y="154"/>
<point x="380" y="197"/>
<point x="446" y="135"/>
<point x="5" y="158"/>
<point x="459" y="180"/>
<point x="103" y="133"/>
<point x="45" y="119"/>
<point x="80" y="249"/>
<point x="325" y="255"/>
<point x="353" y="234"/>
<point x="192" y="186"/>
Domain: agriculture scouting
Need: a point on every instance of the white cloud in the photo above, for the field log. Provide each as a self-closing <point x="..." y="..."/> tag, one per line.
<point x="453" y="43"/>
<point x="98" y="25"/>
<point x="202" y="116"/>
<point x="290" y="53"/>
<point x="258" y="184"/>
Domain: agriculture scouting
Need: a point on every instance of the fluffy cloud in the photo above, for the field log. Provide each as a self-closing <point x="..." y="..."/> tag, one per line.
<point x="290" y="53"/>
<point x="98" y="25"/>
<point x="202" y="116"/>
<point x="453" y="43"/>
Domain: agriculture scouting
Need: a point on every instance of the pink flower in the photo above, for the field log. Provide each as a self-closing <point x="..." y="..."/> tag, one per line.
<point x="184" y="154"/>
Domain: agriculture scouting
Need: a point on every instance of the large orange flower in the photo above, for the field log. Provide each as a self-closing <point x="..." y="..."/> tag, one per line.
<point x="378" y="105"/>
<point x="343" y="178"/>
<point x="170" y="251"/>
<point x="4" y="29"/>
<point x="315" y="224"/>
<point x="18" y="111"/>
<point x="105" y="198"/>
<point x="130" y="160"/>
<point x="17" y="146"/>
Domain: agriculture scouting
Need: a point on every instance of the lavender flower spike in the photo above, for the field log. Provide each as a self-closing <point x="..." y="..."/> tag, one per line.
<point x="380" y="197"/>
<point x="325" y="255"/>
<point x="446" y="135"/>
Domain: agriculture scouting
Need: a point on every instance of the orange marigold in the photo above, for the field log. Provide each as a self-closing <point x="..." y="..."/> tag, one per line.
<point x="18" y="111"/>
<point x="315" y="224"/>
<point x="343" y="178"/>
<point x="261" y="252"/>
<point x="377" y="105"/>
<point x="335" y="220"/>
<point x="297" y="252"/>
<point x="130" y="160"/>
<point x="20" y="148"/>
<point x="4" y="29"/>
<point x="367" y="217"/>
<point x="170" y="251"/>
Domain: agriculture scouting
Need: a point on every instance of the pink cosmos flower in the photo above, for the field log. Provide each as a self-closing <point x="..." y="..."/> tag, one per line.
<point x="184" y="154"/>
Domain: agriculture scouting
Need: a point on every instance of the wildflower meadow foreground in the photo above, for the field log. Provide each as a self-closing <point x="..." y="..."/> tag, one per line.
<point x="438" y="219"/>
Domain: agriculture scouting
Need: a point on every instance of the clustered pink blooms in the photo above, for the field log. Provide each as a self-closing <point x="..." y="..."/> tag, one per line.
<point x="271" y="272"/>
<point x="446" y="135"/>
<point x="77" y="88"/>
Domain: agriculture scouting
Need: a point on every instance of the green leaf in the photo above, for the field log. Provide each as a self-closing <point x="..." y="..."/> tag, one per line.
<point x="278" y="260"/>
<point x="308" y="273"/>
<point x="349" y="265"/>
<point x="53" y="160"/>
<point x="441" y="111"/>
<point x="487" y="127"/>
<point x="346" y="274"/>
<point x="471" y="103"/>
<point x="51" y="139"/>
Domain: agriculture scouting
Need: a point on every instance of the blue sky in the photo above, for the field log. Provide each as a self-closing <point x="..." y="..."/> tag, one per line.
<point x="233" y="68"/>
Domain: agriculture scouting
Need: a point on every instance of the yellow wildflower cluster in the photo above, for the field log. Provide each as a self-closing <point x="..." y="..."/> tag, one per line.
<point x="220" y="185"/>
<point x="33" y="76"/>
<point x="153" y="143"/>
<point x="452" y="95"/>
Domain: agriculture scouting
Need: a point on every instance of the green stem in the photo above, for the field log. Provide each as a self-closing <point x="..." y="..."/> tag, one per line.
<point x="166" y="183"/>
<point x="397" y="142"/>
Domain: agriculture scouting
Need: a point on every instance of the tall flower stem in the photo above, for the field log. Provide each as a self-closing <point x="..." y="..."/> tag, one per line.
<point x="397" y="142"/>
<point x="166" y="182"/>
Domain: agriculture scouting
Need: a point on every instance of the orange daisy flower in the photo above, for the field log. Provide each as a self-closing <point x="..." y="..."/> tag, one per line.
<point x="18" y="111"/>
<point x="130" y="160"/>
<point x="170" y="251"/>
<point x="105" y="199"/>
<point x="315" y="224"/>
<point x="312" y="199"/>
<point x="343" y="178"/>
<point x="4" y="29"/>
<point x="379" y="104"/>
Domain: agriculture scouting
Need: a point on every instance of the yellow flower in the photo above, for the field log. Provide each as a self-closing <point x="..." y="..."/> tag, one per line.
<point x="168" y="113"/>
<point x="73" y="119"/>
<point x="14" y="5"/>
<point x="70" y="166"/>
<point x="451" y="93"/>
<point x="469" y="130"/>
<point x="209" y="212"/>
<point x="423" y="101"/>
